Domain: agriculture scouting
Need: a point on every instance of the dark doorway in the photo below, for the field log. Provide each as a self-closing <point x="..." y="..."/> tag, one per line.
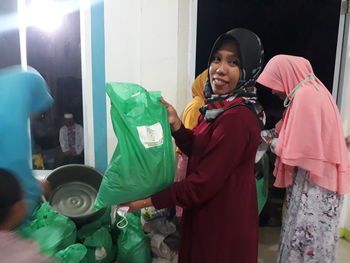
<point x="307" y="28"/>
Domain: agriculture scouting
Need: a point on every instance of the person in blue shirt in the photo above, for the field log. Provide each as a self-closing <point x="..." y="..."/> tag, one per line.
<point x="13" y="248"/>
<point x="22" y="93"/>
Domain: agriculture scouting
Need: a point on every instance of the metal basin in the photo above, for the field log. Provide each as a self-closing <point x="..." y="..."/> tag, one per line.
<point x="74" y="189"/>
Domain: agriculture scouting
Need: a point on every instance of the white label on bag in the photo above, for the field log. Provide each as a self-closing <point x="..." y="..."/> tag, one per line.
<point x="151" y="136"/>
<point x="100" y="253"/>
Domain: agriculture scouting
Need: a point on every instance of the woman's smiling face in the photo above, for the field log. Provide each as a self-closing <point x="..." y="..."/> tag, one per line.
<point x="224" y="70"/>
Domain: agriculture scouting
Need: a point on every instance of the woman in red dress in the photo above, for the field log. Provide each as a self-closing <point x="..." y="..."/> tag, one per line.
<point x="218" y="195"/>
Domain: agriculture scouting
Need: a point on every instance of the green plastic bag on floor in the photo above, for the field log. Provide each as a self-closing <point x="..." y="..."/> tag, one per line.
<point x="52" y="231"/>
<point x="72" y="254"/>
<point x="143" y="162"/>
<point x="100" y="248"/>
<point x="133" y="245"/>
<point x="90" y="228"/>
<point x="262" y="183"/>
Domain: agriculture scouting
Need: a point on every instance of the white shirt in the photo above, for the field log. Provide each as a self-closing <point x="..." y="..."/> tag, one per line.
<point x="78" y="140"/>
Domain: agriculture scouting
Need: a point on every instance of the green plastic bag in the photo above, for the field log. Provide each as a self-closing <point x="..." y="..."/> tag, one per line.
<point x="95" y="238"/>
<point x="100" y="248"/>
<point x="132" y="244"/>
<point x="52" y="231"/>
<point x="143" y="162"/>
<point x="88" y="229"/>
<point x="72" y="254"/>
<point x="262" y="184"/>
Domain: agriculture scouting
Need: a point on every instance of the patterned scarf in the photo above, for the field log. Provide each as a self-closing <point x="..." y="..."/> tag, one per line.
<point x="251" y="55"/>
<point x="216" y="104"/>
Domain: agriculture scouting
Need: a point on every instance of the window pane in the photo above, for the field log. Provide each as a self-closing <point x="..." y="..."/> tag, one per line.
<point x="57" y="56"/>
<point x="9" y="38"/>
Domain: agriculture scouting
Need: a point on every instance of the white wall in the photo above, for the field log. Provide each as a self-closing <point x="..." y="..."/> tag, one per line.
<point x="150" y="42"/>
<point x="345" y="113"/>
<point x="86" y="73"/>
<point x="341" y="89"/>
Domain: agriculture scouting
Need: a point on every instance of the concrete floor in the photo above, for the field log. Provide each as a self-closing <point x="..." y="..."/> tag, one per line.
<point x="268" y="246"/>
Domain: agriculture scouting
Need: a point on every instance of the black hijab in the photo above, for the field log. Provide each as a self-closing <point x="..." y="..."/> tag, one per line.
<point x="251" y="54"/>
<point x="10" y="192"/>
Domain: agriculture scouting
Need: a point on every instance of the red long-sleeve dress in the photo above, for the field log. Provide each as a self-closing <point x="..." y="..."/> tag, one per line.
<point x="220" y="219"/>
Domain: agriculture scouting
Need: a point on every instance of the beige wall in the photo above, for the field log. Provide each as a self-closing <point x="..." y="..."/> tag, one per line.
<point x="151" y="43"/>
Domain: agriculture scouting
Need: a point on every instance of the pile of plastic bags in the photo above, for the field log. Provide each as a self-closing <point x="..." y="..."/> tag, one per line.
<point x="58" y="237"/>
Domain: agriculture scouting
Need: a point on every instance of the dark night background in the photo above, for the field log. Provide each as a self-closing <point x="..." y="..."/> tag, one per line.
<point x="307" y="28"/>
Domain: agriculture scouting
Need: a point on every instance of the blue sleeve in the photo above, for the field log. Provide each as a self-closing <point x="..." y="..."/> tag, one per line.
<point x="40" y="99"/>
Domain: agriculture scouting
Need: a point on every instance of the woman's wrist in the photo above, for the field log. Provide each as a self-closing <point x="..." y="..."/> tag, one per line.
<point x="269" y="141"/>
<point x="176" y="126"/>
<point x="147" y="202"/>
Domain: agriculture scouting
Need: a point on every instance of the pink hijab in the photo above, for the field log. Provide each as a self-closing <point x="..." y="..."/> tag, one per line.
<point x="310" y="132"/>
